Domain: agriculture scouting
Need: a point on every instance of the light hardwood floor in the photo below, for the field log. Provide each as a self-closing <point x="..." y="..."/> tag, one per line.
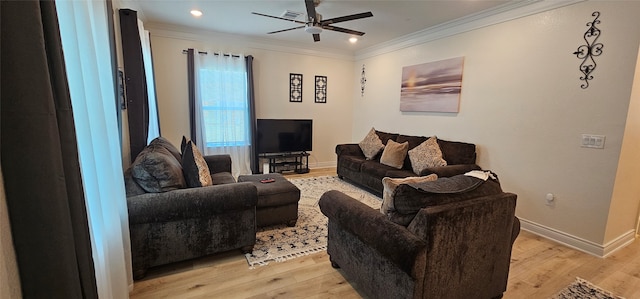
<point x="539" y="269"/>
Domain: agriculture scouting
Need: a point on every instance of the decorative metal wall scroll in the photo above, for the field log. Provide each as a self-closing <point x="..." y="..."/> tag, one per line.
<point x="363" y="81"/>
<point x="321" y="89"/>
<point x="295" y="84"/>
<point x="590" y="50"/>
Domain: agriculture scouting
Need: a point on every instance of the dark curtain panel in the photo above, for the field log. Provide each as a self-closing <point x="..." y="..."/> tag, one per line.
<point x="135" y="80"/>
<point x="39" y="157"/>
<point x="114" y="65"/>
<point x="252" y="115"/>
<point x="192" y="93"/>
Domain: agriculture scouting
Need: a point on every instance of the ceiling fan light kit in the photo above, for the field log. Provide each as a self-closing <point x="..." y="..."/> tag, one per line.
<point x="315" y="24"/>
<point x="312" y="29"/>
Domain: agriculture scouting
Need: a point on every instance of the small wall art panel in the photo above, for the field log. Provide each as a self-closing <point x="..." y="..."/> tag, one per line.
<point x="295" y="87"/>
<point x="321" y="89"/>
<point x="432" y="87"/>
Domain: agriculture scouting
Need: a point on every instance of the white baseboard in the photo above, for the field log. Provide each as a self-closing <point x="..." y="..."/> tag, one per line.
<point x="599" y="250"/>
<point x="316" y="165"/>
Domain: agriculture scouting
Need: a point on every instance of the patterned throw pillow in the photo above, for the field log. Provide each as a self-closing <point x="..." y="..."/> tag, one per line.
<point x="196" y="171"/>
<point x="390" y="185"/>
<point x="426" y="155"/>
<point x="394" y="154"/>
<point x="371" y="145"/>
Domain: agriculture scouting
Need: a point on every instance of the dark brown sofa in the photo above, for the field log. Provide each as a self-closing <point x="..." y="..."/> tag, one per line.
<point x="457" y="245"/>
<point x="182" y="223"/>
<point x="354" y="167"/>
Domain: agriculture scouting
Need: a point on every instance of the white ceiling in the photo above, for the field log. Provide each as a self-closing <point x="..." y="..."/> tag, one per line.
<point x="391" y="19"/>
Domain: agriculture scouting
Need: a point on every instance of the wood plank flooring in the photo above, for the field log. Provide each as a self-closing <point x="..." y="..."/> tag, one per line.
<point x="539" y="269"/>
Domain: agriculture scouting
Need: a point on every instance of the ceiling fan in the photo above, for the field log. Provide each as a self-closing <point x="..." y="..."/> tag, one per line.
<point x="315" y="24"/>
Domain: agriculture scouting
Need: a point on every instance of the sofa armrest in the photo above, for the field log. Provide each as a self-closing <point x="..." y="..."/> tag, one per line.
<point x="191" y="203"/>
<point x="450" y="170"/>
<point x="392" y="241"/>
<point x="218" y="163"/>
<point x="349" y="149"/>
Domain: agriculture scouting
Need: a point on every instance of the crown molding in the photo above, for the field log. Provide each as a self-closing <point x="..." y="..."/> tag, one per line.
<point x="199" y="35"/>
<point x="503" y="13"/>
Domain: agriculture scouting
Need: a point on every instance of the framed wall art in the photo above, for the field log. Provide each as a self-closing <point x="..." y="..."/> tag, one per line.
<point x="432" y="87"/>
<point x="295" y="87"/>
<point x="321" y="89"/>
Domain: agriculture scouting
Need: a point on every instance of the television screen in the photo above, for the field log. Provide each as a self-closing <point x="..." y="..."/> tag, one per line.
<point x="284" y="135"/>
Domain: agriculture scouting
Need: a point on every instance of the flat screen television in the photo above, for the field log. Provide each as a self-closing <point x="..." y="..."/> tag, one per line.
<point x="284" y="135"/>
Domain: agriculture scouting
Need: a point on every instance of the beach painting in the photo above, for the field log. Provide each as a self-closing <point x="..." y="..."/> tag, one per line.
<point x="432" y="87"/>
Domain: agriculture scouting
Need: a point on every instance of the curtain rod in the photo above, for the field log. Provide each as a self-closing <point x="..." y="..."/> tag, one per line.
<point x="202" y="52"/>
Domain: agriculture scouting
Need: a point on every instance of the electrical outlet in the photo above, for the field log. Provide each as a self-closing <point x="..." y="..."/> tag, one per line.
<point x="592" y="141"/>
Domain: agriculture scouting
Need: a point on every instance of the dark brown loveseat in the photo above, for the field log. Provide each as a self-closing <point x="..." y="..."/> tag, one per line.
<point x="448" y="245"/>
<point x="180" y="223"/>
<point x="354" y="167"/>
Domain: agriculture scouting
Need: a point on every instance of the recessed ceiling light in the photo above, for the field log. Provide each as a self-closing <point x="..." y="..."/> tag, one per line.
<point x="353" y="40"/>
<point x="196" y="13"/>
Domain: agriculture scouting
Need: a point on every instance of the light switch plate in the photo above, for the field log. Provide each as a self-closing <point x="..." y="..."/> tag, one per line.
<point x="592" y="141"/>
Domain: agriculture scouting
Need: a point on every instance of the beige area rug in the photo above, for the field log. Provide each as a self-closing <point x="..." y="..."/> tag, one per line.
<point x="281" y="243"/>
<point x="583" y="289"/>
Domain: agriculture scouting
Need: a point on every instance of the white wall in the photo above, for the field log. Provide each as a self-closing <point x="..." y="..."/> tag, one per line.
<point x="626" y="191"/>
<point x="522" y="105"/>
<point x="331" y="121"/>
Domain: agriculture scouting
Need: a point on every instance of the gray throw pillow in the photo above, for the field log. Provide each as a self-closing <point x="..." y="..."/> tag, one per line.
<point x="156" y="169"/>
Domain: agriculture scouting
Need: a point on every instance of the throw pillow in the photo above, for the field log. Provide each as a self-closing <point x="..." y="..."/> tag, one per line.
<point x="156" y="169"/>
<point x="164" y="142"/>
<point x="196" y="171"/>
<point x="394" y="154"/>
<point x="426" y="155"/>
<point x="183" y="144"/>
<point x="371" y="145"/>
<point x="391" y="184"/>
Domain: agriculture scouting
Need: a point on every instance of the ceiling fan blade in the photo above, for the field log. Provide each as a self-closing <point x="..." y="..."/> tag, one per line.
<point x="316" y="37"/>
<point x="346" y="18"/>
<point x="283" y="30"/>
<point x="344" y="30"/>
<point x="311" y="11"/>
<point x="290" y="20"/>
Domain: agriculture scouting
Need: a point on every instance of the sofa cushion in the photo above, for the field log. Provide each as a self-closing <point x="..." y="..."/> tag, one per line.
<point x="196" y="171"/>
<point x="426" y="155"/>
<point x="352" y="162"/>
<point x="375" y="169"/>
<point x="156" y="169"/>
<point x="385" y="137"/>
<point x="408" y="199"/>
<point x="399" y="173"/>
<point x="413" y="142"/>
<point x="371" y="145"/>
<point x="221" y="178"/>
<point x="455" y="152"/>
<point x="394" y="154"/>
<point x="390" y="185"/>
<point x="164" y="142"/>
<point x="131" y="187"/>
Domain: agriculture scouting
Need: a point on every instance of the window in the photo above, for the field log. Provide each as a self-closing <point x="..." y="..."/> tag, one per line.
<point x="224" y="107"/>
